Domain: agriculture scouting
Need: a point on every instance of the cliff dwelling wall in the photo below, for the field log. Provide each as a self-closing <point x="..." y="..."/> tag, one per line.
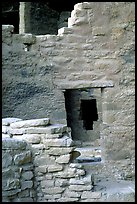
<point x="92" y="57"/>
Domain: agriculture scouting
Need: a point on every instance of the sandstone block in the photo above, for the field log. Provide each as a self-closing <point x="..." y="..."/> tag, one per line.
<point x="11" y="143"/>
<point x="27" y="175"/>
<point x="54" y="168"/>
<point x="65" y="141"/>
<point x="72" y="194"/>
<point x="13" y="184"/>
<point x="32" y="138"/>
<point x="67" y="173"/>
<point x="26" y="184"/>
<point x="56" y="151"/>
<point x="30" y="123"/>
<point x="42" y="169"/>
<point x="63" y="159"/>
<point x="81" y="181"/>
<point x="8" y="121"/>
<point x="80" y="187"/>
<point x="51" y="197"/>
<point x="47" y="183"/>
<point x="61" y="182"/>
<point x="53" y="190"/>
<point x="23" y="158"/>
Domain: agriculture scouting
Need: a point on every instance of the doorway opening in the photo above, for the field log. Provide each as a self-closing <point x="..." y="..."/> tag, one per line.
<point x="83" y="115"/>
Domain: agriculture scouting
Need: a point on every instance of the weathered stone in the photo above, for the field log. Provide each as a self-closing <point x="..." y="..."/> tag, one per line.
<point x="13" y="184"/>
<point x="72" y="194"/>
<point x="65" y="141"/>
<point x="47" y="183"/>
<point x="27" y="175"/>
<point x="6" y="160"/>
<point x="61" y="182"/>
<point x="67" y="173"/>
<point x="11" y="143"/>
<point x="64" y="159"/>
<point x="32" y="138"/>
<point x="8" y="121"/>
<point x="41" y="160"/>
<point x="50" y="197"/>
<point x="30" y="123"/>
<point x="80" y="187"/>
<point x="81" y="181"/>
<point x="42" y="169"/>
<point x="23" y="158"/>
<point x="54" y="168"/>
<point x="26" y="184"/>
<point x="60" y="151"/>
<point x="53" y="190"/>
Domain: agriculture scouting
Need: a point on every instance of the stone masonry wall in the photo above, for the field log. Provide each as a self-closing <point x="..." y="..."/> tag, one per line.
<point x="96" y="50"/>
<point x="38" y="164"/>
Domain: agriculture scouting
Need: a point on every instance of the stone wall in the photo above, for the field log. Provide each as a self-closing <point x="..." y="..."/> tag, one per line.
<point x="38" y="164"/>
<point x="95" y="51"/>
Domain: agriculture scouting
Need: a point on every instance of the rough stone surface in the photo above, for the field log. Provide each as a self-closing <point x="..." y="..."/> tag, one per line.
<point x="91" y="58"/>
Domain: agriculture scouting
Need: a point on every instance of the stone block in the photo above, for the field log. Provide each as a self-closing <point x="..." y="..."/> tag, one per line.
<point x="11" y="143"/>
<point x="53" y="190"/>
<point x="56" y="151"/>
<point x="80" y="187"/>
<point x="42" y="169"/>
<point x="81" y="181"/>
<point x="6" y="160"/>
<point x="61" y="182"/>
<point x="13" y="184"/>
<point x="32" y="138"/>
<point x="67" y="173"/>
<point x="63" y="159"/>
<point x="72" y="194"/>
<point x="51" y="197"/>
<point x="27" y="175"/>
<point x="65" y="141"/>
<point x="31" y="123"/>
<point x="47" y="183"/>
<point x="8" y="121"/>
<point x="54" y="168"/>
<point x="26" y="184"/>
<point x="23" y="158"/>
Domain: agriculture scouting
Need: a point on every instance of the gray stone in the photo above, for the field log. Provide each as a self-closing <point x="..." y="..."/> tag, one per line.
<point x="30" y="123"/>
<point x="23" y="158"/>
<point x="11" y="143"/>
<point x="8" y="121"/>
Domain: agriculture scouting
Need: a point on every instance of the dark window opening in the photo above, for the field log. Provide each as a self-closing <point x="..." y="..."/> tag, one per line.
<point x="10" y="14"/>
<point x="88" y="113"/>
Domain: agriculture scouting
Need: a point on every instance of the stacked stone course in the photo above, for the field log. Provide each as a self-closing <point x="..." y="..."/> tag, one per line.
<point x="38" y="166"/>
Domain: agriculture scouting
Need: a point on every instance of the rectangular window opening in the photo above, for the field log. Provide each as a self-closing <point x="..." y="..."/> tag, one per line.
<point x="88" y="113"/>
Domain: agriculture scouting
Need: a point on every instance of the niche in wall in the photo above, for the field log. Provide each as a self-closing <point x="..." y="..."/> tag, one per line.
<point x="82" y="114"/>
<point x="88" y="112"/>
